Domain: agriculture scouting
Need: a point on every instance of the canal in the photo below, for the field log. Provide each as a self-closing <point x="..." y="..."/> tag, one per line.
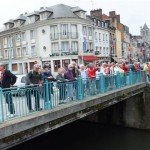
<point x="82" y="135"/>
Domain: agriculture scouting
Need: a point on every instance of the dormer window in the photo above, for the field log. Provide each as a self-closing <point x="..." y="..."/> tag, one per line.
<point x="9" y="24"/>
<point x="80" y="12"/>
<point x="45" y="13"/>
<point x="44" y="16"/>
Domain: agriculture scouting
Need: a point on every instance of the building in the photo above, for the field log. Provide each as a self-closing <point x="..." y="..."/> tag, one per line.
<point x="58" y="34"/>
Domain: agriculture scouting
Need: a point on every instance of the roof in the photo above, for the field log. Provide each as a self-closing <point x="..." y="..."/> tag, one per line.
<point x="76" y="9"/>
<point x="33" y="13"/>
<point x="21" y="17"/>
<point x="63" y="11"/>
<point x="46" y="9"/>
<point x="9" y="21"/>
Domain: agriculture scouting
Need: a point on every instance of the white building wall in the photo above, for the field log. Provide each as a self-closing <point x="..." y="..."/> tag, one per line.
<point x="101" y="44"/>
<point x="43" y="34"/>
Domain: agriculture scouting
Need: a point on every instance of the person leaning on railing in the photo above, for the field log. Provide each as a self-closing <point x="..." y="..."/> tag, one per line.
<point x="33" y="84"/>
<point x="61" y="84"/>
<point x="7" y="79"/>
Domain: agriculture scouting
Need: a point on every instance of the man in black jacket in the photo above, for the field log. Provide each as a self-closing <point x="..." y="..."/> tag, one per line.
<point x="34" y="81"/>
<point x="7" y="79"/>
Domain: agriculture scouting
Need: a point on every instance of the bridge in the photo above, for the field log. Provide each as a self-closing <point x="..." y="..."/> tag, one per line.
<point x="66" y="102"/>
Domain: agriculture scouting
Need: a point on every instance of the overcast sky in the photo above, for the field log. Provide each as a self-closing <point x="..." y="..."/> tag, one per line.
<point x="134" y="13"/>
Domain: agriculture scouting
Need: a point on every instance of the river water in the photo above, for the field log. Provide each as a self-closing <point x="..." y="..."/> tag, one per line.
<point x="83" y="135"/>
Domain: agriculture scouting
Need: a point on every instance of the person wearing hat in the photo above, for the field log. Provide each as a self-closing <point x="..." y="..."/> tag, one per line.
<point x="7" y="79"/>
<point x="34" y="80"/>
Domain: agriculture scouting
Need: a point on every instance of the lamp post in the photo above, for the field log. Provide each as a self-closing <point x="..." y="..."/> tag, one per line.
<point x="10" y="53"/>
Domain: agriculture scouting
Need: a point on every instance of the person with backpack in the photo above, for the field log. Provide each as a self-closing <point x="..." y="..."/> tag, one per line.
<point x="34" y="83"/>
<point x="7" y="80"/>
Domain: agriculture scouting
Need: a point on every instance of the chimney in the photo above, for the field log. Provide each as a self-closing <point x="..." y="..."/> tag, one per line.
<point x="41" y="8"/>
<point x="118" y="18"/>
<point x="96" y="13"/>
<point x="112" y="14"/>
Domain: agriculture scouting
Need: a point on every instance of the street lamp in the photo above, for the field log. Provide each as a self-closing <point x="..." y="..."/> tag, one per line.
<point x="10" y="53"/>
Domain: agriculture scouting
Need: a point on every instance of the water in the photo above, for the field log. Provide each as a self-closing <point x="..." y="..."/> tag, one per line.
<point x="90" y="136"/>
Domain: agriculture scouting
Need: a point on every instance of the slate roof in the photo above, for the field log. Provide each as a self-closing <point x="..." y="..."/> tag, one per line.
<point x="63" y="11"/>
<point x="33" y="13"/>
<point x="9" y="21"/>
<point x="21" y="17"/>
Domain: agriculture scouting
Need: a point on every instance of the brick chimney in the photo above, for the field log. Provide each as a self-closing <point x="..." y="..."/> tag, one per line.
<point x="112" y="13"/>
<point x="118" y="18"/>
<point x="96" y="13"/>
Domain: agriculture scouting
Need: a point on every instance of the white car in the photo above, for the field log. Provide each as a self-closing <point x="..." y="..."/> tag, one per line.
<point x="19" y="86"/>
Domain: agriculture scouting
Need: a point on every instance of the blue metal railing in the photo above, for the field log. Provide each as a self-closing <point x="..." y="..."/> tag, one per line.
<point x="15" y="103"/>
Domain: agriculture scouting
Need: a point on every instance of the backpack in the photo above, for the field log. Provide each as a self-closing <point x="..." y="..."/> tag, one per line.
<point x="13" y="79"/>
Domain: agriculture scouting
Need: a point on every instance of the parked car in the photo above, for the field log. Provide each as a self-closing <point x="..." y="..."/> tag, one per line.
<point x="19" y="86"/>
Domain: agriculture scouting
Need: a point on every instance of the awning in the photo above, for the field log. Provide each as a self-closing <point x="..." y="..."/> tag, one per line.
<point x="89" y="58"/>
<point x="118" y="60"/>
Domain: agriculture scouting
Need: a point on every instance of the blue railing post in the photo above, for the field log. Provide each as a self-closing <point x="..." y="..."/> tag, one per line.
<point x="48" y="104"/>
<point x="118" y="84"/>
<point x="102" y="84"/>
<point x="140" y="76"/>
<point x="131" y="77"/>
<point x="80" y="88"/>
<point x="2" y="108"/>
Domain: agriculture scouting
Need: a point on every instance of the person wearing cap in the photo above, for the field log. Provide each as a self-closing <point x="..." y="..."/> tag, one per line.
<point x="7" y="79"/>
<point x="34" y="80"/>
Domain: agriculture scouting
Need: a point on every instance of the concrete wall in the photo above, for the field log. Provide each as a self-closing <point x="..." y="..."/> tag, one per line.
<point x="134" y="112"/>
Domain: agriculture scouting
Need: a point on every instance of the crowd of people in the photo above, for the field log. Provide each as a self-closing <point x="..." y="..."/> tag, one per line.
<point x="37" y="76"/>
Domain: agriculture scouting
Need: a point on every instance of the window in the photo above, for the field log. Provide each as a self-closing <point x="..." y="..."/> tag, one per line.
<point x="103" y="50"/>
<point x="32" y="19"/>
<point x="5" y="40"/>
<point x="100" y="50"/>
<point x="65" y="46"/>
<point x="73" y="31"/>
<point x="44" y="16"/>
<point x="84" y="30"/>
<point x="90" y="31"/>
<point x="99" y="36"/>
<point x="107" y="50"/>
<point x="18" y="52"/>
<point x="55" y="47"/>
<point x="90" y="46"/>
<point x="103" y="37"/>
<point x="54" y="32"/>
<point x="106" y="37"/>
<point x="102" y="24"/>
<point x="23" y="36"/>
<point x="33" y="51"/>
<point x="32" y="34"/>
<point x="64" y="30"/>
<point x="24" y="51"/>
<point x="96" y="36"/>
<point x="17" y="37"/>
<point x="98" y="23"/>
<point x="5" y="54"/>
<point x="74" y="46"/>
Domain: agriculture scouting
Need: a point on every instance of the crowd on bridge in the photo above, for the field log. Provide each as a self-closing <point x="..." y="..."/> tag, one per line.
<point x="38" y="76"/>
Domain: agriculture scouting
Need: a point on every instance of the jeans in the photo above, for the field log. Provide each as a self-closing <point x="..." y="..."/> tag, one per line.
<point x="37" y="98"/>
<point x="9" y="101"/>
